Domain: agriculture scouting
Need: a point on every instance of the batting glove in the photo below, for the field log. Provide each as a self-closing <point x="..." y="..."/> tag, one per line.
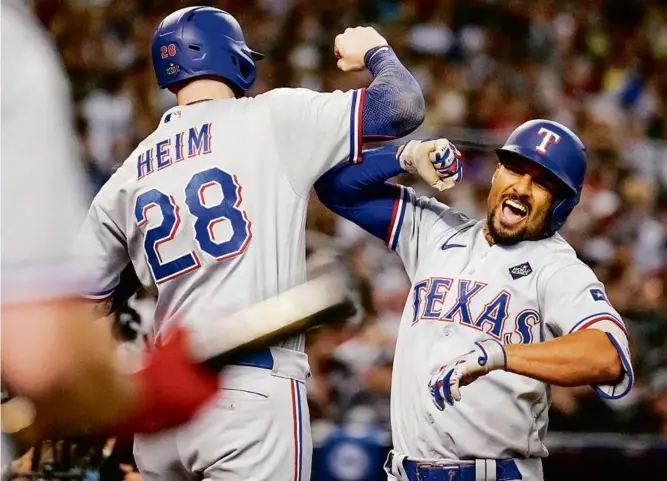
<point x="438" y="162"/>
<point x="445" y="385"/>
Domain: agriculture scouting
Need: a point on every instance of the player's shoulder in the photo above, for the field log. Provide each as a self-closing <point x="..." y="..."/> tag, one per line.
<point x="282" y="95"/>
<point x="560" y="260"/>
<point x="557" y="250"/>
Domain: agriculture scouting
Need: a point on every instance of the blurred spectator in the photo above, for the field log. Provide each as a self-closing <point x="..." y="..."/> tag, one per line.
<point x="659" y="401"/>
<point x="579" y="409"/>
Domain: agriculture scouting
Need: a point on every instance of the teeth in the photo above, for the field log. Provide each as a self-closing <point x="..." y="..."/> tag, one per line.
<point x="517" y="206"/>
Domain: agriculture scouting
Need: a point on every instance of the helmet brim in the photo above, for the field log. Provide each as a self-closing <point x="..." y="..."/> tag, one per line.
<point x="527" y="154"/>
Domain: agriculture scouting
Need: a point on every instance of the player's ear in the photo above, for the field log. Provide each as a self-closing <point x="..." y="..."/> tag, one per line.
<point x="495" y="173"/>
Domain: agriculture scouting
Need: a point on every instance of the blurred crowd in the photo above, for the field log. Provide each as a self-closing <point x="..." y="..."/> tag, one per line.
<point x="485" y="66"/>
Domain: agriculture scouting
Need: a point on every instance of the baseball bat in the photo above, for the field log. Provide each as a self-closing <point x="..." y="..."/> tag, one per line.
<point x="474" y="145"/>
<point x="323" y="300"/>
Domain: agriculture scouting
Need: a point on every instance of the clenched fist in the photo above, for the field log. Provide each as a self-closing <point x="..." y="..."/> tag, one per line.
<point x="351" y="46"/>
<point x="438" y="162"/>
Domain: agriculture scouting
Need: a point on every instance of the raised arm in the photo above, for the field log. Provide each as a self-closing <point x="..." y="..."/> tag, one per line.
<point x="393" y="104"/>
<point x="316" y="131"/>
<point x="362" y="194"/>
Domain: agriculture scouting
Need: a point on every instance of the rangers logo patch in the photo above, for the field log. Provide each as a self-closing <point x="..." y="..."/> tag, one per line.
<point x="522" y="270"/>
<point x="598" y="295"/>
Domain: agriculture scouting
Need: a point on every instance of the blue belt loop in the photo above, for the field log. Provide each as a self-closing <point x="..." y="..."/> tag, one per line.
<point x="262" y="359"/>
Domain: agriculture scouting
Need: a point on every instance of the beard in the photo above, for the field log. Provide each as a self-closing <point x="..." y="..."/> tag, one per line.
<point x="503" y="237"/>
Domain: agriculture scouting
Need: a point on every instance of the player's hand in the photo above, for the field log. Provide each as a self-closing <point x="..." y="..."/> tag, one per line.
<point x="438" y="162"/>
<point x="351" y="46"/>
<point x="446" y="383"/>
<point x="172" y="387"/>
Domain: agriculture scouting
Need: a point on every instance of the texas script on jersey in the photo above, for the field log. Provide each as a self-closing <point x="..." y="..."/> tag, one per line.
<point x="430" y="295"/>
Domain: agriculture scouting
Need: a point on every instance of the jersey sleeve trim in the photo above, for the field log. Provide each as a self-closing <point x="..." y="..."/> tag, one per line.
<point x="356" y="116"/>
<point x="594" y="319"/>
<point x="99" y="295"/>
<point x="397" y="216"/>
<point x="620" y="389"/>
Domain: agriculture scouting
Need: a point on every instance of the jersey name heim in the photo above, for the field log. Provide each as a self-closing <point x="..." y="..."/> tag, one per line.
<point x="182" y="146"/>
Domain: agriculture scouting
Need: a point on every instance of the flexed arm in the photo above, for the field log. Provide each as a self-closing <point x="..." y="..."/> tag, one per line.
<point x="393" y="104"/>
<point x="320" y="130"/>
<point x="394" y="213"/>
<point x="361" y="193"/>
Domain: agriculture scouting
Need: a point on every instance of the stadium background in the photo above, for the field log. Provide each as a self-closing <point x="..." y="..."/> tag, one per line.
<point x="485" y="66"/>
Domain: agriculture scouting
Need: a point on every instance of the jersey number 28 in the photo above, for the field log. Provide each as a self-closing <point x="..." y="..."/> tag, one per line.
<point x="205" y="218"/>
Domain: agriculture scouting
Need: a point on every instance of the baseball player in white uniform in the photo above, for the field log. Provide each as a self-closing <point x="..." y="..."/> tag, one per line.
<point x="500" y="309"/>
<point x="210" y="212"/>
<point x="58" y="365"/>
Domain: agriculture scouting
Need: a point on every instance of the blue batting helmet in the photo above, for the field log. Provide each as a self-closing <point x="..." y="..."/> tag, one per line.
<point x="561" y="152"/>
<point x="201" y="41"/>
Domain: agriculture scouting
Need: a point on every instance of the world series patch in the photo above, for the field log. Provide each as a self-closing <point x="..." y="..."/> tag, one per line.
<point x="522" y="270"/>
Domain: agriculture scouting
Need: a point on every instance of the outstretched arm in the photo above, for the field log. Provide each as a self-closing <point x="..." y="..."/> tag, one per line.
<point x="591" y="345"/>
<point x="587" y="357"/>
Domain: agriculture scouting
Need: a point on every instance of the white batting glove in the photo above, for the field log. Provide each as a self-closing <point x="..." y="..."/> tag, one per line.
<point x="351" y="46"/>
<point x="438" y="162"/>
<point x="445" y="385"/>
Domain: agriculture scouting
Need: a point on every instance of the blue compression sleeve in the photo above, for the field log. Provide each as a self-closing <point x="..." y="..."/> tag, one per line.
<point x="360" y="192"/>
<point x="393" y="105"/>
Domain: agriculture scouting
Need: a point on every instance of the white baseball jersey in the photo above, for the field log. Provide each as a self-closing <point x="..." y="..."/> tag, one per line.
<point x="43" y="191"/>
<point x="463" y="291"/>
<point x="42" y="188"/>
<point x="210" y="208"/>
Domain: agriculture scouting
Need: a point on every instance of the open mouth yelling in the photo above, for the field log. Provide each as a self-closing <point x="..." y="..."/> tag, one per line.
<point x="513" y="212"/>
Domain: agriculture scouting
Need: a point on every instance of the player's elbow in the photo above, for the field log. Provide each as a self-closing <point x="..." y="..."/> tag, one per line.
<point x="394" y="109"/>
<point x="328" y="193"/>
<point x="611" y="367"/>
<point x="410" y="111"/>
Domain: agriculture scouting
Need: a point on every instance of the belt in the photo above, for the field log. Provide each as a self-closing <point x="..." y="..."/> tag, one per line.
<point x="506" y="470"/>
<point x="262" y="359"/>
